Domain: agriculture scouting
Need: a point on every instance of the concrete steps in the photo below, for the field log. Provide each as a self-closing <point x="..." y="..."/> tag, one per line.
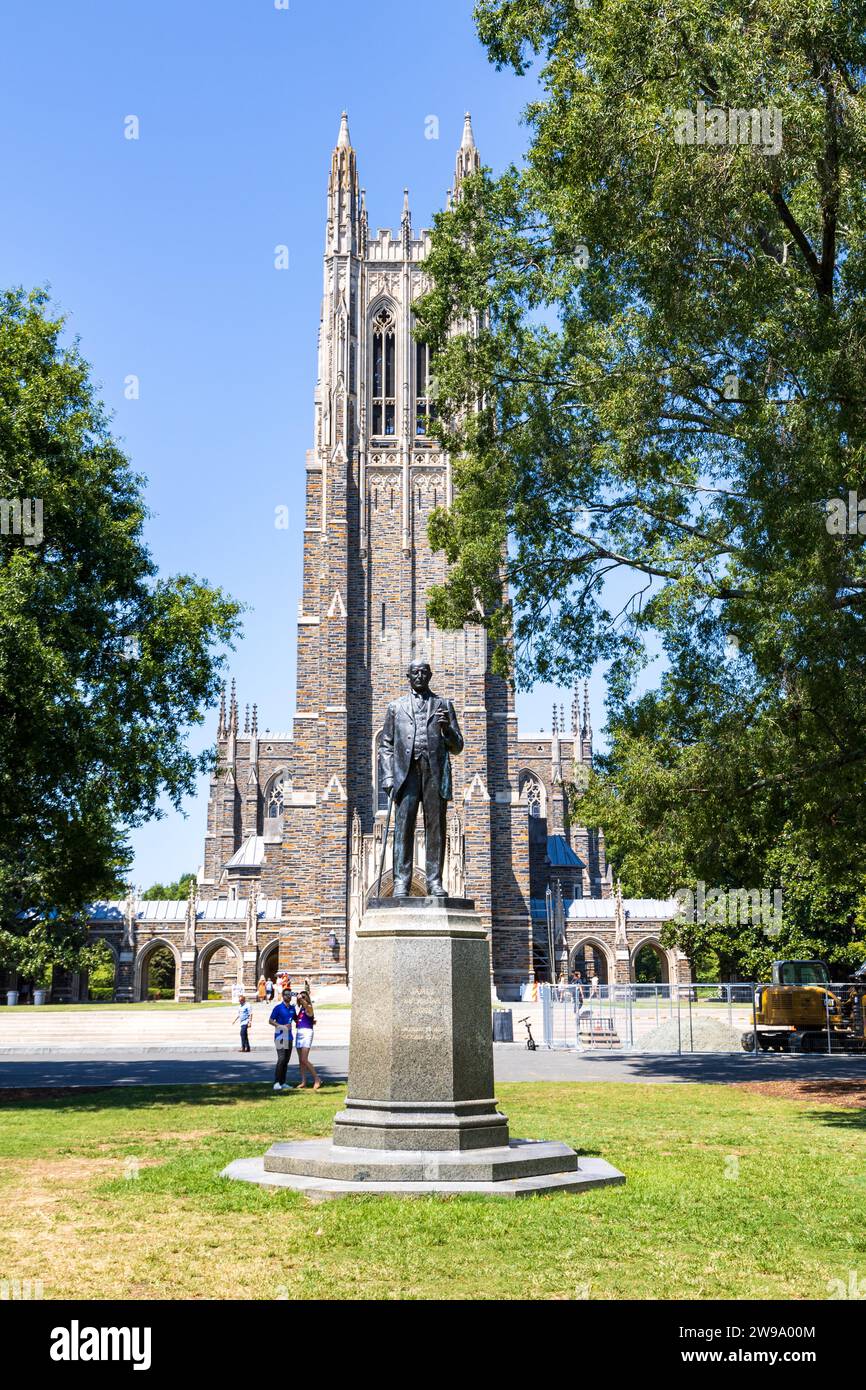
<point x="37" y="1030"/>
<point x="34" y="1029"/>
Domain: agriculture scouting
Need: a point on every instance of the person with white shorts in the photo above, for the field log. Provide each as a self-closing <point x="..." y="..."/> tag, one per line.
<point x="305" y="1022"/>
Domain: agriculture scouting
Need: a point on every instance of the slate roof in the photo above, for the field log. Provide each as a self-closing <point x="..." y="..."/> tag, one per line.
<point x="167" y="910"/>
<point x="251" y="854"/>
<point x="560" y="853"/>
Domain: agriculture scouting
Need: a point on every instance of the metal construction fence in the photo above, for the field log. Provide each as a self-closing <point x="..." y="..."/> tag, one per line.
<point x="672" y="1017"/>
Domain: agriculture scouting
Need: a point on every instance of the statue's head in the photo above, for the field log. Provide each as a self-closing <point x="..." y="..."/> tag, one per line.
<point x="418" y="674"/>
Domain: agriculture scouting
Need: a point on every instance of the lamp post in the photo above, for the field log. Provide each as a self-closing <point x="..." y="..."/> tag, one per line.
<point x="548" y="906"/>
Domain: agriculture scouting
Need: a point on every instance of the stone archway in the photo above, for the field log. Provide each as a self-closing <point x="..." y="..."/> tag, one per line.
<point x="269" y="960"/>
<point x="143" y="962"/>
<point x="219" y="968"/>
<point x="649" y="963"/>
<point x="590" y="956"/>
<point x="99" y="982"/>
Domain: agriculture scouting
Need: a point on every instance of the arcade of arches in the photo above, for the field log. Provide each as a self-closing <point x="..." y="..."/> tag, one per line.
<point x="649" y="963"/>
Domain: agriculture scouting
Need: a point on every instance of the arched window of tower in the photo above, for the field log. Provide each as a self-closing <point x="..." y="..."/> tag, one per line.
<point x="384" y="394"/>
<point x="278" y="794"/>
<point x="532" y="794"/>
<point x="425" y="408"/>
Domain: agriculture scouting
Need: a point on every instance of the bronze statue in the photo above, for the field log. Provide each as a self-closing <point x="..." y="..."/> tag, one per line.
<point x="420" y="734"/>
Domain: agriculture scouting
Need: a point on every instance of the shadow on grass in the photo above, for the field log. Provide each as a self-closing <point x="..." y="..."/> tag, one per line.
<point x="838" y="1119"/>
<point x="81" y="1099"/>
<point x="719" y="1067"/>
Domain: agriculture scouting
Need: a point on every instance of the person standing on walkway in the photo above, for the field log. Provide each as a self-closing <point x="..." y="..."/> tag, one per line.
<point x="306" y="1021"/>
<point x="269" y="989"/>
<point x="261" y="990"/>
<point x="244" y="1016"/>
<point x="282" y="1017"/>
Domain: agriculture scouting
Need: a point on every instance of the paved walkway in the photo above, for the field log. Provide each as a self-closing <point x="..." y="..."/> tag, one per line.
<point x="511" y="1061"/>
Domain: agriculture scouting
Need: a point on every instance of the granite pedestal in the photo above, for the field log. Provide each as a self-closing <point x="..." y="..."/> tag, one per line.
<point x="420" y="1114"/>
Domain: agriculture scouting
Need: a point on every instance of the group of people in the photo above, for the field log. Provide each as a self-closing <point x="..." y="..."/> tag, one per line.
<point x="267" y="989"/>
<point x="292" y="1019"/>
<point x="576" y="988"/>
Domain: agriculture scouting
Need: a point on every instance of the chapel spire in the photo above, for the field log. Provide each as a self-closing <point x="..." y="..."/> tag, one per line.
<point x="468" y="159"/>
<point x="343" y="194"/>
<point x="586" y="729"/>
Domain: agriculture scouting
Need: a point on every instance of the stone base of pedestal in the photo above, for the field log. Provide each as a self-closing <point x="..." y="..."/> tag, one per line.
<point x="420" y="1115"/>
<point x="421" y="1047"/>
<point x="522" y="1168"/>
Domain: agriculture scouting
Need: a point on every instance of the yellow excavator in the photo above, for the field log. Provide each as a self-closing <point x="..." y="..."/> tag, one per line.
<point x="799" y="1012"/>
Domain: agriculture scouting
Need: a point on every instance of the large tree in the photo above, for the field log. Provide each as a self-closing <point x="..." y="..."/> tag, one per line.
<point x="103" y="664"/>
<point x="663" y="382"/>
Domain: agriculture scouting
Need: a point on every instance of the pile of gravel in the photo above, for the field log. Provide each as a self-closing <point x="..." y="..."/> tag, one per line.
<point x="705" y="1035"/>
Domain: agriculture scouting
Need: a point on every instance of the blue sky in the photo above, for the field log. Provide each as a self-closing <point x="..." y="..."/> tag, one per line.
<point x="161" y="252"/>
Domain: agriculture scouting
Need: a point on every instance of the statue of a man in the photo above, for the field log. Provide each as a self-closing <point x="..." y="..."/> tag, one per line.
<point x="420" y="734"/>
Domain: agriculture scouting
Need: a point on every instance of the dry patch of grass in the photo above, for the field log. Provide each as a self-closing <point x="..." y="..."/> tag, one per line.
<point x="845" y="1092"/>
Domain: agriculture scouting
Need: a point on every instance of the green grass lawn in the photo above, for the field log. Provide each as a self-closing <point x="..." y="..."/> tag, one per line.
<point x="730" y="1194"/>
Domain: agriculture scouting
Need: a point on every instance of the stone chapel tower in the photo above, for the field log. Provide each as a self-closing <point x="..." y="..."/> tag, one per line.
<point x="373" y="478"/>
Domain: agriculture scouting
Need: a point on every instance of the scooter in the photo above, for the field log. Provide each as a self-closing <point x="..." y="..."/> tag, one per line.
<point x="531" y="1044"/>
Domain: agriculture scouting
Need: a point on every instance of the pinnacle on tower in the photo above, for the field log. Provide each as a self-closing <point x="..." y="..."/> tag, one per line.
<point x="554" y="726"/>
<point x="221" y="722"/>
<point x="343" y="199"/>
<point x="255" y="724"/>
<point x="468" y="158"/>
<point x="247" y="720"/>
<point x="575" y="710"/>
<point x="406" y="225"/>
<point x="586" y="730"/>
<point x="233" y="710"/>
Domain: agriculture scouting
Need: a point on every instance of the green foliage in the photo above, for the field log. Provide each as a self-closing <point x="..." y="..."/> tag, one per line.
<point x="171" y="891"/>
<point x="160" y="973"/>
<point x="92" y="737"/>
<point x="667" y="344"/>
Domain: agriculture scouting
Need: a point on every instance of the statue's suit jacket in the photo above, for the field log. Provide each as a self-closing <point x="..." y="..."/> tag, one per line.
<point x="398" y="737"/>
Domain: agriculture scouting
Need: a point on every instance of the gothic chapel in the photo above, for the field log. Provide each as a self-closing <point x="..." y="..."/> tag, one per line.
<point x="296" y="818"/>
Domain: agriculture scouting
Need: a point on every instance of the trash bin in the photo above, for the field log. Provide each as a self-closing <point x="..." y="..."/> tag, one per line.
<point x="503" y="1026"/>
<point x="11" y="997"/>
<point x="39" y="996"/>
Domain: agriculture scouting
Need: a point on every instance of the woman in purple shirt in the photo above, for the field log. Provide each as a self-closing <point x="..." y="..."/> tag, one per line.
<point x="304" y="1024"/>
